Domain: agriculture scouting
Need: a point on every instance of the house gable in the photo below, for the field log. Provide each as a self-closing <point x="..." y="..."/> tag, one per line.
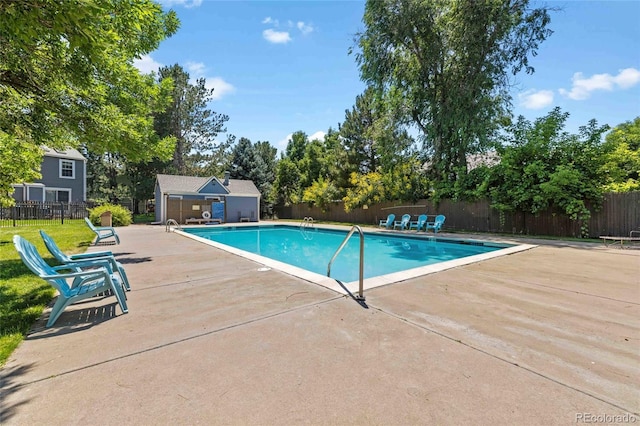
<point x="213" y="186"/>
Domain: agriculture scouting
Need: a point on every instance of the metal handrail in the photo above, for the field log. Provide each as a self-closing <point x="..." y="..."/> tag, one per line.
<point x="171" y="222"/>
<point x="306" y="222"/>
<point x="354" y="228"/>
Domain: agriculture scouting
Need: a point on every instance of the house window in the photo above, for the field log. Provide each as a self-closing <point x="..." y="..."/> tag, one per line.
<point x="57" y="195"/>
<point x="67" y="169"/>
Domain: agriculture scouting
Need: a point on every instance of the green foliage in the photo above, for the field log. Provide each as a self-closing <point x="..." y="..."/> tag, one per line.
<point x="105" y="177"/>
<point x="406" y="182"/>
<point x="67" y="79"/>
<point x="622" y="158"/>
<point x="365" y="189"/>
<point x="188" y="120"/>
<point x="321" y="193"/>
<point x="287" y="183"/>
<point x="296" y="146"/>
<point x="443" y="66"/>
<point x="257" y="163"/>
<point x="120" y="215"/>
<point x="19" y="159"/>
<point x="357" y="134"/>
<point x="23" y="296"/>
<point x="291" y="173"/>
<point x="542" y="167"/>
<point x="67" y="76"/>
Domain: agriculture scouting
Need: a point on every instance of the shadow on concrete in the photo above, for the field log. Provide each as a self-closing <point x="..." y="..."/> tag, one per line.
<point x="9" y="384"/>
<point x="72" y="321"/>
<point x="358" y="301"/>
<point x="127" y="260"/>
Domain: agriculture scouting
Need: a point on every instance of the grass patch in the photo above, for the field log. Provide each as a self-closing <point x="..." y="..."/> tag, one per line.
<point x="23" y="296"/>
<point x="144" y="218"/>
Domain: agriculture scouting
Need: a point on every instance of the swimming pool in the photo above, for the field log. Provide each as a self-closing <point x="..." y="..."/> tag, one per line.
<point x="388" y="257"/>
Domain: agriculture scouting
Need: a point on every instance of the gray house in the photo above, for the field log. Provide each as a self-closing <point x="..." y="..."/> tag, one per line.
<point x="64" y="179"/>
<point x="192" y="199"/>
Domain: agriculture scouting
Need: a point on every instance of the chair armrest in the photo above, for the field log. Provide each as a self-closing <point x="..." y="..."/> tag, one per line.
<point x="97" y="273"/>
<point x="91" y="255"/>
<point x="94" y="263"/>
<point x="634" y="232"/>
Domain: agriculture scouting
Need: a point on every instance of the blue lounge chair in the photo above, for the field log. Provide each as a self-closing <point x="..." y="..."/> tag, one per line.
<point x="86" y="260"/>
<point x="72" y="287"/>
<point x="436" y="225"/>
<point x="402" y="223"/>
<point x="388" y="223"/>
<point x="102" y="232"/>
<point x="419" y="224"/>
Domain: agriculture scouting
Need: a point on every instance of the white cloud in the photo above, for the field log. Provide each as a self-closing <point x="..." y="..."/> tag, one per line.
<point x="269" y="20"/>
<point x="582" y="87"/>
<point x="319" y="135"/>
<point x="146" y="64"/>
<point x="220" y="87"/>
<point x="628" y="78"/>
<point x="195" y="69"/>
<point x="282" y="144"/>
<point x="536" y="99"/>
<point x="185" y="3"/>
<point x="273" y="36"/>
<point x="304" y="28"/>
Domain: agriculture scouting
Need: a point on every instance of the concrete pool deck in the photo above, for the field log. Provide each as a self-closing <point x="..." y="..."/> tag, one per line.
<point x="546" y="336"/>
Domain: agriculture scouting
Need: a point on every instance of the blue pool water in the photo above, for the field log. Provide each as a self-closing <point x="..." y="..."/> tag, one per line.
<point x="313" y="248"/>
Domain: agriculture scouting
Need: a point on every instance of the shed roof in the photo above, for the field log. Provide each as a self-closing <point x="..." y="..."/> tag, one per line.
<point x="175" y="184"/>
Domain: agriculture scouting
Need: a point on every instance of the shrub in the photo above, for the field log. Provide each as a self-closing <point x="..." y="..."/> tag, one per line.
<point x="120" y="215"/>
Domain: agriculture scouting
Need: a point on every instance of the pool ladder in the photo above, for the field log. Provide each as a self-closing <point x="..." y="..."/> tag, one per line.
<point x="307" y="222"/>
<point x="170" y="223"/>
<point x="354" y="228"/>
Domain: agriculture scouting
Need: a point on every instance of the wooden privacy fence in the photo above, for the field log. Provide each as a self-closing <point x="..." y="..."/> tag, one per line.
<point x="619" y="214"/>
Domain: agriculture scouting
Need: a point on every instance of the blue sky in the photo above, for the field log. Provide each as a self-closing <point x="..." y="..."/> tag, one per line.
<point x="282" y="66"/>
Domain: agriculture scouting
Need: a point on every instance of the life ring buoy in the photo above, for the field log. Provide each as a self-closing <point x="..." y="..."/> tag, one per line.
<point x="206" y="215"/>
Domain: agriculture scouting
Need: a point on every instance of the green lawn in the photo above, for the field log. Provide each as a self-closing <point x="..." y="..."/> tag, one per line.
<point x="23" y="296"/>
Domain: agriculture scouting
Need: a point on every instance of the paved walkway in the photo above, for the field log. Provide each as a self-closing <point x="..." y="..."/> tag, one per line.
<point x="547" y="336"/>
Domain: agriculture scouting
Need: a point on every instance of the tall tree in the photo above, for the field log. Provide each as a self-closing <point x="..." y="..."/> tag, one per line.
<point x="267" y="170"/>
<point x="188" y="119"/>
<point x="357" y="137"/>
<point x="296" y="146"/>
<point x="449" y="61"/>
<point x="543" y="166"/>
<point x="67" y="78"/>
<point x="255" y="163"/>
<point x="622" y="158"/>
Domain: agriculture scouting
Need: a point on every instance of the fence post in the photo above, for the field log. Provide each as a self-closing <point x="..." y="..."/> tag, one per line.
<point x="62" y="213"/>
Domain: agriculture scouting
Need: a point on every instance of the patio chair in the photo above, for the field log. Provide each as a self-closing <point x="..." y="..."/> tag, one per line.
<point x="419" y="224"/>
<point x="388" y="223"/>
<point x="72" y="287"/>
<point x="402" y="223"/>
<point x="86" y="260"/>
<point x="436" y="225"/>
<point x="102" y="232"/>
